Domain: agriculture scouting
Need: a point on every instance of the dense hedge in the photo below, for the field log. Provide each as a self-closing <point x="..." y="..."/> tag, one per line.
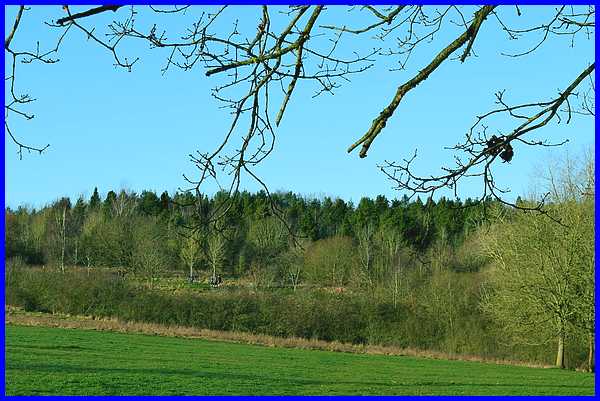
<point x="359" y="318"/>
<point x="310" y="315"/>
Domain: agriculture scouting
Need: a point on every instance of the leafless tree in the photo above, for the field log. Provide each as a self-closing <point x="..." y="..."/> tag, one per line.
<point x="124" y="204"/>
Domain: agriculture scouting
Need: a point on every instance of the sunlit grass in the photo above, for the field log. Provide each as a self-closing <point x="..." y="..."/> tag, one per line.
<point x="42" y="360"/>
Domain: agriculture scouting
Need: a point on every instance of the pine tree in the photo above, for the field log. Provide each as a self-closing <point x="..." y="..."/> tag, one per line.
<point x="165" y="201"/>
<point x="111" y="198"/>
<point x="95" y="199"/>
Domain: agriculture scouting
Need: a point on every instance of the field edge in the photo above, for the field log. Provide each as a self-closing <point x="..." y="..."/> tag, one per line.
<point x="19" y="317"/>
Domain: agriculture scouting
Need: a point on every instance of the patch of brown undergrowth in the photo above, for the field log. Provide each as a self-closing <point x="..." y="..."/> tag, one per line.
<point x="18" y="316"/>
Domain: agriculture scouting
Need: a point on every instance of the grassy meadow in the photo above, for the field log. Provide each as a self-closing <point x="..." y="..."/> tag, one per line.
<point x="42" y="360"/>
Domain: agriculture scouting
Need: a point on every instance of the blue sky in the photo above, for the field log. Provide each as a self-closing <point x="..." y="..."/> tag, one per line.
<point x="113" y="129"/>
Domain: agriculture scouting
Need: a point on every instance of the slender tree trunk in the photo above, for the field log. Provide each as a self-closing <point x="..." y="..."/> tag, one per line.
<point x="62" y="256"/>
<point x="295" y="279"/>
<point x="333" y="282"/>
<point x="395" y="287"/>
<point x="560" y="353"/>
<point x="591" y="364"/>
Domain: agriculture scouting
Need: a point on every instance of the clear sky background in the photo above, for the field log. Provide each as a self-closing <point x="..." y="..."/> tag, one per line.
<point x="113" y="129"/>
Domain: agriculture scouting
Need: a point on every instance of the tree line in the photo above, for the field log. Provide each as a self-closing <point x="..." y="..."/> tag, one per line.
<point x="151" y="233"/>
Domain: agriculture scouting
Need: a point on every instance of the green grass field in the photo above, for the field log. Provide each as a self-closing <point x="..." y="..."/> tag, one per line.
<point x="42" y="360"/>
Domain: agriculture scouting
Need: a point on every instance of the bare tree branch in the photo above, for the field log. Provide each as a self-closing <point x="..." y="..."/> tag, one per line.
<point x="90" y="12"/>
<point x="380" y="122"/>
<point x="14" y="28"/>
<point x="255" y="65"/>
<point x="482" y="151"/>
